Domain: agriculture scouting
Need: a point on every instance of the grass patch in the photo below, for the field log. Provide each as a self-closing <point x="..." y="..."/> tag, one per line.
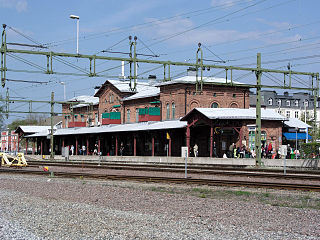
<point x="201" y="190"/>
<point x="239" y="193"/>
<point x="202" y="195"/>
<point x="161" y="189"/>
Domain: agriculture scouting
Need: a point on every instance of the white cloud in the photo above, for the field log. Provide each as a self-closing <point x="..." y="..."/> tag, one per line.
<point x="274" y="24"/>
<point x="227" y="3"/>
<point x="167" y="29"/>
<point x="170" y="30"/>
<point x="19" y="5"/>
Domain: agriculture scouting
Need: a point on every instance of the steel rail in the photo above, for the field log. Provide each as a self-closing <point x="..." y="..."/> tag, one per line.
<point x="171" y="168"/>
<point x="191" y="181"/>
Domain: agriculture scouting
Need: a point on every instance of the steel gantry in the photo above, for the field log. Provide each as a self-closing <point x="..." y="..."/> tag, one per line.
<point x="52" y="113"/>
<point x="258" y="70"/>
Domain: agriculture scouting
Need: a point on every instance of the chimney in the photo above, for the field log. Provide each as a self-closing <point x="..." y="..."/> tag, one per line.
<point x="122" y="76"/>
<point x="152" y="79"/>
<point x="191" y="71"/>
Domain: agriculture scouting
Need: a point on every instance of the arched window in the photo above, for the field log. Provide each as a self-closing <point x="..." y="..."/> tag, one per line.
<point x="168" y="111"/>
<point x="173" y="110"/>
<point x="214" y="105"/>
<point x="234" y="105"/>
<point x="128" y="115"/>
<point x="270" y="101"/>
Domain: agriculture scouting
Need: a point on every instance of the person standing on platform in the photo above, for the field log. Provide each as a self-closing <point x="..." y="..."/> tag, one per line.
<point x="195" y="150"/>
<point x="231" y="149"/>
<point x="214" y="149"/>
<point x="72" y="150"/>
<point x="83" y="150"/>
<point x="121" y="149"/>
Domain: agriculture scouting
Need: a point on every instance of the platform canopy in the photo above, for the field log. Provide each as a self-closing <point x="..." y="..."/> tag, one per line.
<point x="131" y="127"/>
<point x="236" y="113"/>
<point x="296" y="136"/>
<point x="296" y="123"/>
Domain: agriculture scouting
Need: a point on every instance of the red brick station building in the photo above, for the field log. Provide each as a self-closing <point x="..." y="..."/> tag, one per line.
<point x="161" y="117"/>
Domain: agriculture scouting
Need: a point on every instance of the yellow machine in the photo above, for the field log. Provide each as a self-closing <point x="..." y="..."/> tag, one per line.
<point x="13" y="161"/>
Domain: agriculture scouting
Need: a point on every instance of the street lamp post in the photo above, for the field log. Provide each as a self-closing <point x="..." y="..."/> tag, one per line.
<point x="64" y="90"/>
<point x="77" y="18"/>
<point x="296" y="142"/>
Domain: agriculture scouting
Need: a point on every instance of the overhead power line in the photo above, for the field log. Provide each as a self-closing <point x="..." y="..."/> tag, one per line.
<point x="146" y="24"/>
<point x="25" y="81"/>
<point x="206" y="23"/>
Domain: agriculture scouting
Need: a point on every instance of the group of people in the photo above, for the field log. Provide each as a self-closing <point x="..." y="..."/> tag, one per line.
<point x="82" y="150"/>
<point x="239" y="152"/>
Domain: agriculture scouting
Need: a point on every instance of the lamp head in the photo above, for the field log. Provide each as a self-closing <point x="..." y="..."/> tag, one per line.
<point x="74" y="17"/>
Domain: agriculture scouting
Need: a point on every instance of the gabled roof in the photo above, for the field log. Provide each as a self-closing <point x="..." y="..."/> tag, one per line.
<point x="85" y="99"/>
<point x="31" y="129"/>
<point x="296" y="123"/>
<point x="143" y="126"/>
<point x="122" y="86"/>
<point x="192" y="80"/>
<point x="143" y="89"/>
<point x="236" y="113"/>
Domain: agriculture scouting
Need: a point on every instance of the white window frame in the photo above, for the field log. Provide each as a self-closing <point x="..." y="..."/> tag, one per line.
<point x="168" y="111"/>
<point x="270" y="101"/>
<point x="279" y="102"/>
<point x="173" y="108"/>
<point x="288" y="103"/>
<point x="288" y="114"/>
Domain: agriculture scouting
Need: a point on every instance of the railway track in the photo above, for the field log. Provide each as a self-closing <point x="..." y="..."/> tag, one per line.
<point x="209" y="182"/>
<point x="204" y="170"/>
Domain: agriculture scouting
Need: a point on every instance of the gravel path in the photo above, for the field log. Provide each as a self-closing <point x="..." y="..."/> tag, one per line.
<point x="34" y="207"/>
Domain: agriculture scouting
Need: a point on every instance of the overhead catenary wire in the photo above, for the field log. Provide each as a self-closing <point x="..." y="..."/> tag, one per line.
<point x="167" y="37"/>
<point x="141" y="25"/>
<point x="213" y="53"/>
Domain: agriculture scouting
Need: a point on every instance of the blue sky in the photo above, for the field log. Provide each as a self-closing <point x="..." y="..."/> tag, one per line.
<point x="232" y="30"/>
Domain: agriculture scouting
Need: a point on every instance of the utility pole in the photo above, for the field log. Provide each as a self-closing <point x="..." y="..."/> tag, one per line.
<point x="51" y="133"/>
<point x="258" y="112"/>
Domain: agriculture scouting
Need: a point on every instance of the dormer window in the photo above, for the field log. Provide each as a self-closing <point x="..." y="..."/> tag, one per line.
<point x="288" y="103"/>
<point x="296" y="103"/>
<point x="279" y="102"/>
<point x="270" y="101"/>
<point x="306" y="103"/>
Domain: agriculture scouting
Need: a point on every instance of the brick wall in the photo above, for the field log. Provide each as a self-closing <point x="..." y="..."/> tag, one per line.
<point x="77" y="112"/>
<point x="135" y="104"/>
<point x="273" y="131"/>
<point x="185" y="99"/>
<point x="109" y="98"/>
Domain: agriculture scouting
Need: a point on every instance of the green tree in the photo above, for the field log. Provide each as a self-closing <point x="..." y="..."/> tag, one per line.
<point x="23" y="122"/>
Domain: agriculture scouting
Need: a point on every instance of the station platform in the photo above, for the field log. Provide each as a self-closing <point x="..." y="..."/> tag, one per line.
<point x="245" y="162"/>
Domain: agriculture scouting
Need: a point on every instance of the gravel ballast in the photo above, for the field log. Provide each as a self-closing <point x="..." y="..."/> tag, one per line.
<point x="34" y="207"/>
